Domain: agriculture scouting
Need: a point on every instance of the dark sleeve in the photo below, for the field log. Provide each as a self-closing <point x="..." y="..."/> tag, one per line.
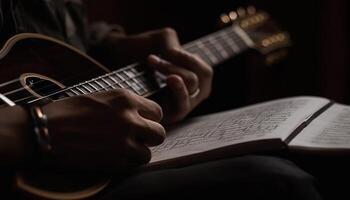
<point x="91" y="34"/>
<point x="99" y="30"/>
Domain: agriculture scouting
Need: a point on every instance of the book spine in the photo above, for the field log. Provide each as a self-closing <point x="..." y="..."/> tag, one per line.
<point x="307" y="122"/>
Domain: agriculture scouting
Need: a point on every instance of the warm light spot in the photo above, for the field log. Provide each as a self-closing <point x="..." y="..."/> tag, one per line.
<point x="225" y="18"/>
<point x="266" y="43"/>
<point x="241" y="12"/>
<point x="233" y="15"/>
<point x="251" y="10"/>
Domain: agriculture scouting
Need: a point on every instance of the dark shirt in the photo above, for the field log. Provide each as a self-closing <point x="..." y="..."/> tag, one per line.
<point x="62" y="19"/>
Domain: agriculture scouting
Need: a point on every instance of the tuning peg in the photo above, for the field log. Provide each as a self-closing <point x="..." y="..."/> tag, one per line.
<point x="251" y="10"/>
<point x="224" y="18"/>
<point x="275" y="57"/>
<point x="233" y="15"/>
<point x="241" y="12"/>
<point x="274" y="39"/>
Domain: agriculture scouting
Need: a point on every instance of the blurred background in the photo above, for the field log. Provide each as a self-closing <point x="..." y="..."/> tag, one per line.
<point x="317" y="63"/>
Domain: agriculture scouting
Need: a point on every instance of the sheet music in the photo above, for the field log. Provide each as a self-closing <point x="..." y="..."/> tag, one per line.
<point x="330" y="130"/>
<point x="275" y="119"/>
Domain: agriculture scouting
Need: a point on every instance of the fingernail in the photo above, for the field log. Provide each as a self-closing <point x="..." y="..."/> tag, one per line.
<point x="154" y="59"/>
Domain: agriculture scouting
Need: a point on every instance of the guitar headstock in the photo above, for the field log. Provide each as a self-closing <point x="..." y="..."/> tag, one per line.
<point x="267" y="38"/>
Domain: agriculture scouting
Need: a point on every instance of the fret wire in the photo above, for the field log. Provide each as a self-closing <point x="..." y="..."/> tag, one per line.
<point x="70" y="94"/>
<point x="98" y="83"/>
<point x="239" y="41"/>
<point x="107" y="83"/>
<point x="227" y="37"/>
<point x="228" y="31"/>
<point x="207" y="52"/>
<point x="219" y="47"/>
<point x="86" y="88"/>
<point x="101" y="82"/>
<point x="115" y="81"/>
<point x="203" y="56"/>
<point x="140" y="84"/>
<point x="230" y="43"/>
<point x="222" y="40"/>
<point x="95" y="80"/>
<point x="232" y="47"/>
<point x="124" y="85"/>
<point x="80" y="90"/>
<point x="140" y="74"/>
<point x="128" y="73"/>
<point x="215" y="49"/>
<point x="92" y="85"/>
<point x="110" y="81"/>
<point x="73" y="91"/>
<point x="194" y="42"/>
<point x="128" y="87"/>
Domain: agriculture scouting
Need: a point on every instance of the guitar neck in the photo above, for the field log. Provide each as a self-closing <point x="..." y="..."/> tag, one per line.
<point x="214" y="48"/>
<point x="220" y="46"/>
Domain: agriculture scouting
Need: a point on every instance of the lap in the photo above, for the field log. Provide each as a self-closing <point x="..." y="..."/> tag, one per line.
<point x="246" y="177"/>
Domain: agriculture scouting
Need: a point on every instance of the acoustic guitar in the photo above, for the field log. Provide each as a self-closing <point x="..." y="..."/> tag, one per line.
<point x="35" y="67"/>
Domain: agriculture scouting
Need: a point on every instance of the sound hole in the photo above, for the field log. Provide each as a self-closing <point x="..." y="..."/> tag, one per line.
<point x="44" y="87"/>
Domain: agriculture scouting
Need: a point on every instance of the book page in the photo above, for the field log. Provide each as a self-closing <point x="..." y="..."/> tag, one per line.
<point x="330" y="130"/>
<point x="274" y="119"/>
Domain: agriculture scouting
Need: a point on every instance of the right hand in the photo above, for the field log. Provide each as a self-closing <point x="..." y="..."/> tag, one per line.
<point x="107" y="130"/>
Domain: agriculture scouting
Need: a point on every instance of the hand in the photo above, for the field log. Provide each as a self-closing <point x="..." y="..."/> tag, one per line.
<point x="187" y="74"/>
<point x="108" y="130"/>
<point x="189" y="80"/>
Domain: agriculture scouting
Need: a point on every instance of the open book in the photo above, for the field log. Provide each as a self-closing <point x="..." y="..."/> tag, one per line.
<point x="305" y="124"/>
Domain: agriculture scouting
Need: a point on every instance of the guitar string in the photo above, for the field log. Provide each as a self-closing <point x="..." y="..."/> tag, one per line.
<point x="226" y="32"/>
<point x="9" y="82"/>
<point x="108" y="86"/>
<point x="72" y="77"/>
<point x="86" y="82"/>
<point x="99" y="90"/>
<point x="219" y="35"/>
<point x="76" y="86"/>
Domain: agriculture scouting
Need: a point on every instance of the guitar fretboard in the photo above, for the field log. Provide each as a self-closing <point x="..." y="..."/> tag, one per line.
<point x="214" y="49"/>
<point x="221" y="45"/>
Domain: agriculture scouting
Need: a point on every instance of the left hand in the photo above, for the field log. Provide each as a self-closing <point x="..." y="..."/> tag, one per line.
<point x="188" y="77"/>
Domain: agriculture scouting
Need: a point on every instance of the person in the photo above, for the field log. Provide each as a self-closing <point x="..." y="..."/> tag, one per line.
<point x="79" y="144"/>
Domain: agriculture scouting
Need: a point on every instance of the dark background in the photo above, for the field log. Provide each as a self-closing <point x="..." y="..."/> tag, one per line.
<point x="318" y="62"/>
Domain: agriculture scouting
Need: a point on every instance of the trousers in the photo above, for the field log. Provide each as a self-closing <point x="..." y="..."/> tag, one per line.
<point x="246" y="177"/>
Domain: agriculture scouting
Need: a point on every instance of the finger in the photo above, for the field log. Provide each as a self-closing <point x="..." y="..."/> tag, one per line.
<point x="149" y="109"/>
<point x="166" y="38"/>
<point x="191" y="61"/>
<point x="198" y="66"/>
<point x="148" y="132"/>
<point x="167" y="68"/>
<point x="137" y="153"/>
<point x="180" y="94"/>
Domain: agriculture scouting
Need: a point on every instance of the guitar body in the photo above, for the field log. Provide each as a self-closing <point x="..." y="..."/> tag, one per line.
<point x="32" y="57"/>
<point x="34" y="66"/>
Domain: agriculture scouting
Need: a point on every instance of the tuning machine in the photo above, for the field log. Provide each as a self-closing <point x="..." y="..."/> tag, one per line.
<point x="275" y="57"/>
<point x="239" y="13"/>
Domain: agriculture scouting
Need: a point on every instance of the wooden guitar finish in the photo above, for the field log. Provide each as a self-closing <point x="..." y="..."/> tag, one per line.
<point x="33" y="55"/>
<point x="43" y="66"/>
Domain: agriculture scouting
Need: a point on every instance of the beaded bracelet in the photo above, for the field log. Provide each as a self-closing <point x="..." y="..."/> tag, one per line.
<point x="41" y="131"/>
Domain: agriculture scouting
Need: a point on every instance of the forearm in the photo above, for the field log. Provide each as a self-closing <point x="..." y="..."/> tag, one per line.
<point x="15" y="136"/>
